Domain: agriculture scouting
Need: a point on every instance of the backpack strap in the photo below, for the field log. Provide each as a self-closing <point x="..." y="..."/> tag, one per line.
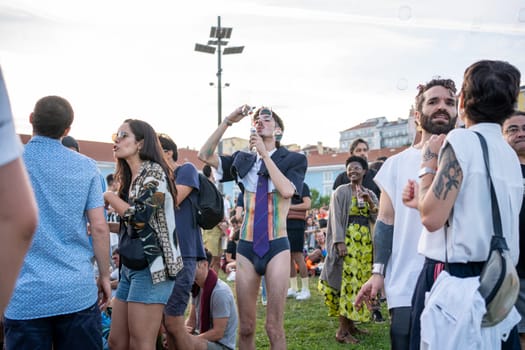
<point x="496" y="217"/>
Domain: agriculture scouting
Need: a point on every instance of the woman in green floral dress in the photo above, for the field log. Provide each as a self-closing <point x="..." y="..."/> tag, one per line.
<point x="349" y="243"/>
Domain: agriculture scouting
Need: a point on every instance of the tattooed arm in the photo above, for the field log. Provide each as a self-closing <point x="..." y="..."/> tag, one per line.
<point x="438" y="193"/>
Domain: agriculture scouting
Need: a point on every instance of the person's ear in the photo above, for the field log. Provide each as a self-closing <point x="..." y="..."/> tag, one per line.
<point x="461" y="107"/>
<point x="417" y="116"/>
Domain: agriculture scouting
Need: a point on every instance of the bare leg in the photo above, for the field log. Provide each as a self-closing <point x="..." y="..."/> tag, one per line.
<point x="293" y="271"/>
<point x="277" y="283"/>
<point x="178" y="336"/>
<point x="144" y="326"/>
<point x="354" y="330"/>
<point x="119" y="333"/>
<point x="299" y="260"/>
<point x="343" y="334"/>
<point x="247" y="283"/>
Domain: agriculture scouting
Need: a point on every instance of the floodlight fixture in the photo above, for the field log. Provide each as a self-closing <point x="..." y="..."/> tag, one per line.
<point x="220" y="32"/>
<point x="233" y="50"/>
<point x="205" y="48"/>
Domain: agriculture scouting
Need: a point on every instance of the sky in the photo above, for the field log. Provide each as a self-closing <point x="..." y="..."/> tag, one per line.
<point x="323" y="65"/>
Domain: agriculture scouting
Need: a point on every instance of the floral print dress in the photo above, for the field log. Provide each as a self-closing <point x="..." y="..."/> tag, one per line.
<point x="357" y="267"/>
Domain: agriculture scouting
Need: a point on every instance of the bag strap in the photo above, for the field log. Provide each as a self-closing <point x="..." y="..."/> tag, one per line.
<point x="496" y="217"/>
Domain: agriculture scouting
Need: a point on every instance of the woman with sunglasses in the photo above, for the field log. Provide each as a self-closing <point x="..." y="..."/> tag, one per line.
<point x="145" y="202"/>
<point x="263" y="248"/>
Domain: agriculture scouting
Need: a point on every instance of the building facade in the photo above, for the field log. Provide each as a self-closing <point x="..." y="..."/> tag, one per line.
<point x="380" y="133"/>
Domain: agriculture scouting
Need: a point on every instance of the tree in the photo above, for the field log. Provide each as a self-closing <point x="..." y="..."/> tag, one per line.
<point x="317" y="200"/>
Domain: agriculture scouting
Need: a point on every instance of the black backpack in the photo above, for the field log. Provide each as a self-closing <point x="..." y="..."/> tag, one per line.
<point x="209" y="208"/>
<point x="210" y="204"/>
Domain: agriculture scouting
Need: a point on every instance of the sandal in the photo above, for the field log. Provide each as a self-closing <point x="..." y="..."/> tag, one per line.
<point x="346" y="339"/>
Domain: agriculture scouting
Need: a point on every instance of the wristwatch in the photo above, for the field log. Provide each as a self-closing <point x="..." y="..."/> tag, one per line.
<point x="378" y="269"/>
<point x="426" y="170"/>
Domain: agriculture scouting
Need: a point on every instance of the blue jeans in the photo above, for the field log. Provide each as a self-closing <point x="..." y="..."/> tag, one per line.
<point x="80" y="330"/>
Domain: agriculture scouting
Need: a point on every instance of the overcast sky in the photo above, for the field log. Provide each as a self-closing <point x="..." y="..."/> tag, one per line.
<point x="323" y="65"/>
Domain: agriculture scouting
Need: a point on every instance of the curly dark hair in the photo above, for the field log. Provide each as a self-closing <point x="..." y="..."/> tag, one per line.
<point x="360" y="160"/>
<point x="421" y="88"/>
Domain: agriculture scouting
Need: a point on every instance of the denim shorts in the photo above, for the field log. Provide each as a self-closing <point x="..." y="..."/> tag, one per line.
<point x="81" y="330"/>
<point x="137" y="286"/>
<point x="180" y="296"/>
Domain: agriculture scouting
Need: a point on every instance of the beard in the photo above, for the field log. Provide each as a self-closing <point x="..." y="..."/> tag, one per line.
<point x="437" y="128"/>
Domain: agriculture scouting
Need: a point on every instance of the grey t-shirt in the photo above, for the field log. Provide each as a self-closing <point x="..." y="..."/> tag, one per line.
<point x="222" y="305"/>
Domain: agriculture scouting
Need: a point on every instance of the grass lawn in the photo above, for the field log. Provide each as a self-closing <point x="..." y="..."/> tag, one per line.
<point x="308" y="326"/>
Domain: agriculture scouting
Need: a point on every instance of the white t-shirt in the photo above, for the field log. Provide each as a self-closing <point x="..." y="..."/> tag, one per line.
<point x="9" y="141"/>
<point x="471" y="229"/>
<point x="405" y="263"/>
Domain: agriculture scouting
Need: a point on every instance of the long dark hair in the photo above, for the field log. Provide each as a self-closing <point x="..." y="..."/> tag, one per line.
<point x="151" y="150"/>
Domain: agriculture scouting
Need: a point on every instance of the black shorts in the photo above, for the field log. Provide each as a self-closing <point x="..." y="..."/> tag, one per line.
<point x="296" y="238"/>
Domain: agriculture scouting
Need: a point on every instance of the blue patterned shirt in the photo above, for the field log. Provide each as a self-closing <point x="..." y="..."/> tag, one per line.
<point x="57" y="276"/>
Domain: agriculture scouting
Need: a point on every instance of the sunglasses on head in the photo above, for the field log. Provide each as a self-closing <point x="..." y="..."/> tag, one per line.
<point x="119" y="136"/>
<point x="265" y="115"/>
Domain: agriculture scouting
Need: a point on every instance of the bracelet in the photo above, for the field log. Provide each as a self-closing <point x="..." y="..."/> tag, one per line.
<point x="228" y="121"/>
<point x="378" y="269"/>
<point x="425" y="171"/>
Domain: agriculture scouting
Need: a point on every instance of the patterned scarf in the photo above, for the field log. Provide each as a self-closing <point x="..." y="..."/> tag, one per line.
<point x="149" y="219"/>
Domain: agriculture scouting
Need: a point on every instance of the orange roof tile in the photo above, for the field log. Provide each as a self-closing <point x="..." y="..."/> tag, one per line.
<point x="103" y="151"/>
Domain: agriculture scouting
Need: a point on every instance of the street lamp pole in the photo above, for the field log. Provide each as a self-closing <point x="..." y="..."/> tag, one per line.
<point x="219" y="83"/>
<point x="216" y="42"/>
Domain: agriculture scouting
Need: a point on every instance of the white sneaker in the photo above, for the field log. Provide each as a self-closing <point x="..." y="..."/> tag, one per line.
<point x="303" y="295"/>
<point x="292" y="293"/>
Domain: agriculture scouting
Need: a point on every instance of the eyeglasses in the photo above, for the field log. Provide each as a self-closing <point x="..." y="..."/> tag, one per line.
<point x="514" y="129"/>
<point x="119" y="136"/>
<point x="354" y="168"/>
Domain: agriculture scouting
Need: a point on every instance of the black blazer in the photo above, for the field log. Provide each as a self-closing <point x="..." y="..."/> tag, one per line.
<point x="292" y="164"/>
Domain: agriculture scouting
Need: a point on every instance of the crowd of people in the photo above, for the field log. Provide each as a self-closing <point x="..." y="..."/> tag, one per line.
<point x="391" y="228"/>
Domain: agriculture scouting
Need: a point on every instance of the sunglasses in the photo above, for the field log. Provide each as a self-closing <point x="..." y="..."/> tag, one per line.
<point x="265" y="115"/>
<point x="119" y="136"/>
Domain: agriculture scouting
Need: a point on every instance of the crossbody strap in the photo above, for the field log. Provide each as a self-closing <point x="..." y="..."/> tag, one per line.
<point x="496" y="217"/>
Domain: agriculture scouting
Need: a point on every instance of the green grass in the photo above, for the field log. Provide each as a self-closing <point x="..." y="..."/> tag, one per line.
<point x="308" y="326"/>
